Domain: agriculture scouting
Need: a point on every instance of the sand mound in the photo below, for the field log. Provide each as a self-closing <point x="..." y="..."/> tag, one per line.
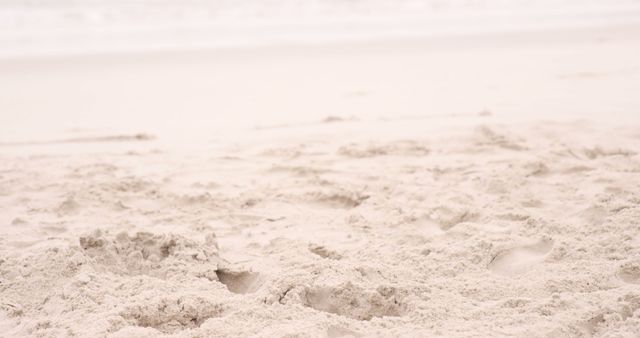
<point x="153" y="255"/>
<point x="114" y="281"/>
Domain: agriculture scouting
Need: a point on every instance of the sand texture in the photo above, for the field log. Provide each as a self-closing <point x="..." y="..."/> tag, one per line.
<point x="342" y="228"/>
<point x="483" y="185"/>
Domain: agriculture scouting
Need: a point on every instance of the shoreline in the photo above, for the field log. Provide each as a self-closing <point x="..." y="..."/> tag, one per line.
<point x="567" y="71"/>
<point x="553" y="35"/>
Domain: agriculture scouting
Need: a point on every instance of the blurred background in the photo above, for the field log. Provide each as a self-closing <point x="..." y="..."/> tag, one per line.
<point x="217" y="67"/>
<point x="30" y="27"/>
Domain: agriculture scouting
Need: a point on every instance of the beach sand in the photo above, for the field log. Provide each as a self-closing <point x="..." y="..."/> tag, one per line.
<point x="456" y="187"/>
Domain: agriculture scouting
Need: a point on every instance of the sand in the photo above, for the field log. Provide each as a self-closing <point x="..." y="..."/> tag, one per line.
<point x="494" y="198"/>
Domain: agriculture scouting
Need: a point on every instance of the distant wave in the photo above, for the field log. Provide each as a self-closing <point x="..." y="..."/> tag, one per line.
<point x="71" y="26"/>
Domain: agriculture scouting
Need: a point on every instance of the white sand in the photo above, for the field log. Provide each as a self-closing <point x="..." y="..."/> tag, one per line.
<point x="443" y="187"/>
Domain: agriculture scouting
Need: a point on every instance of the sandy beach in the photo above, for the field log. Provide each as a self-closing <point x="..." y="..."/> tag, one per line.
<point x="464" y="186"/>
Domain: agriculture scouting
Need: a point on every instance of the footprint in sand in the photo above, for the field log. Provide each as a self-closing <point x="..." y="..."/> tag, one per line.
<point x="171" y="313"/>
<point x="354" y="302"/>
<point x="347" y="300"/>
<point x="518" y="260"/>
<point x="240" y="282"/>
<point x="630" y="272"/>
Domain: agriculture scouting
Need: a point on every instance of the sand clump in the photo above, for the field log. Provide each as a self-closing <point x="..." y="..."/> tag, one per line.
<point x="153" y="255"/>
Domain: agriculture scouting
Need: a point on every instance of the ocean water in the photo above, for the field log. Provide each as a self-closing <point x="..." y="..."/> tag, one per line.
<point x="29" y="27"/>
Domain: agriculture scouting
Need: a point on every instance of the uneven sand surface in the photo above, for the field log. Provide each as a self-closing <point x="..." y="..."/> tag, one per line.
<point x="481" y="186"/>
<point x="479" y="229"/>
